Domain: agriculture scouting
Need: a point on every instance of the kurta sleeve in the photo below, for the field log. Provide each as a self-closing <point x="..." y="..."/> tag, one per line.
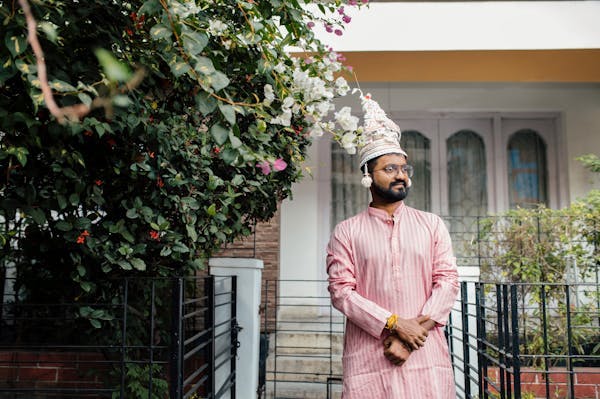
<point x="444" y="276"/>
<point x="342" y="286"/>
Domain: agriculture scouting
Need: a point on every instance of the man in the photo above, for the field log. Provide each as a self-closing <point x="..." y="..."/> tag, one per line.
<point x="393" y="274"/>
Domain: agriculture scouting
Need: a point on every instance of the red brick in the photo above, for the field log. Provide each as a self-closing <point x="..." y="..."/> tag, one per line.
<point x="586" y="391"/>
<point x="8" y="374"/>
<point x="588" y="376"/>
<point x="57" y="359"/>
<point x="530" y="376"/>
<point x="37" y="374"/>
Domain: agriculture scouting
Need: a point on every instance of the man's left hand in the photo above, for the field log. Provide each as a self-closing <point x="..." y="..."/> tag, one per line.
<point x="395" y="351"/>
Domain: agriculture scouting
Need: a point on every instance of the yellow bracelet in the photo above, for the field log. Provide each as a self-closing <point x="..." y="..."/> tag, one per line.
<point x="391" y="322"/>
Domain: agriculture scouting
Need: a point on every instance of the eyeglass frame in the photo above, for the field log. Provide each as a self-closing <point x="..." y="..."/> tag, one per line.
<point x="393" y="169"/>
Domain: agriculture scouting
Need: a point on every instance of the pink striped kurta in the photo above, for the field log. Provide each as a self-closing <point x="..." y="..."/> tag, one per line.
<point x="379" y="265"/>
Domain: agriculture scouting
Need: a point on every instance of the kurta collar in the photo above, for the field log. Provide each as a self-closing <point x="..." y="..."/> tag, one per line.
<point x="381" y="214"/>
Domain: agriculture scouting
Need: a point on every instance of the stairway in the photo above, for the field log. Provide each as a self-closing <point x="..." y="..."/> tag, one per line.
<point x="304" y="355"/>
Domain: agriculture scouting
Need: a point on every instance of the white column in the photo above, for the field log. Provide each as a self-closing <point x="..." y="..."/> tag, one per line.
<point x="248" y="272"/>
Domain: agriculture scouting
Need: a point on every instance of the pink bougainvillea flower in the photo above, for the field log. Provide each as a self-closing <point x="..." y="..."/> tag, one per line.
<point x="347" y="19"/>
<point x="341" y="10"/>
<point x="264" y="167"/>
<point x="279" y="165"/>
<point x="154" y="235"/>
<point x="352" y="2"/>
<point x="339" y="32"/>
<point x="310" y="25"/>
<point x="328" y="28"/>
<point x="82" y="236"/>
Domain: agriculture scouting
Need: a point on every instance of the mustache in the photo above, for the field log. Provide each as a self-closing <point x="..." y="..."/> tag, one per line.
<point x="399" y="183"/>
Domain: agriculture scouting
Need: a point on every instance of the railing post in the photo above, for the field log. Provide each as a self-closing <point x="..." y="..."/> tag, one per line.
<point x="176" y="358"/>
<point x="482" y="370"/>
<point x="235" y="328"/>
<point x="464" y="309"/>
<point x="210" y="324"/>
<point x="516" y="359"/>
<point x="569" y="344"/>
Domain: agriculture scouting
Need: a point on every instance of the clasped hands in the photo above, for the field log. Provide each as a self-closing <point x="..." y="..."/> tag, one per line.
<point x="407" y="335"/>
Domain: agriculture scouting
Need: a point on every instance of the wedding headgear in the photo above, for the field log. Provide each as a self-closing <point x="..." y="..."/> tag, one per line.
<point x="380" y="136"/>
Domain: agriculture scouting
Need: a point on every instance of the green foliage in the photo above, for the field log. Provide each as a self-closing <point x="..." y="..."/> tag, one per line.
<point x="551" y="252"/>
<point x="167" y="165"/>
<point x="180" y="124"/>
<point x="137" y="378"/>
<point x="590" y="161"/>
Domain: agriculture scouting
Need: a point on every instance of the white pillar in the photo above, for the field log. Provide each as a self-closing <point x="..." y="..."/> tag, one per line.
<point x="248" y="272"/>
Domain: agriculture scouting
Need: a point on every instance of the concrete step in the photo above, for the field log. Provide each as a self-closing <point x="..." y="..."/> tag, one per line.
<point x="298" y="390"/>
<point x="311" y="324"/>
<point x="307" y="368"/>
<point x="306" y="343"/>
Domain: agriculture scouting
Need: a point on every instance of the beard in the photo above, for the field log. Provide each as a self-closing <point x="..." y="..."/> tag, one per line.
<point x="389" y="194"/>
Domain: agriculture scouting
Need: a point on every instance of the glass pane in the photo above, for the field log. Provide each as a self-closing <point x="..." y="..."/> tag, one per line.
<point x="348" y="196"/>
<point x="417" y="147"/>
<point x="527" y="176"/>
<point x="467" y="188"/>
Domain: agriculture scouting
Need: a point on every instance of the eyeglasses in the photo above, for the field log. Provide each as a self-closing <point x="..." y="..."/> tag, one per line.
<point x="393" y="169"/>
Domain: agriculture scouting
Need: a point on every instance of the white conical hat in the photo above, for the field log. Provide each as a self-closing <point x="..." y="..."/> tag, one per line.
<point x="380" y="134"/>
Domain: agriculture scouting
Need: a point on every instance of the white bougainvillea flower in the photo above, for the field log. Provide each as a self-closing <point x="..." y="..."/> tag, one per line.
<point x="346" y="120"/>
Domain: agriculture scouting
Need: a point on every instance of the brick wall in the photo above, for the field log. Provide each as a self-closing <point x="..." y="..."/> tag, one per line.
<point x="51" y="369"/>
<point x="586" y="382"/>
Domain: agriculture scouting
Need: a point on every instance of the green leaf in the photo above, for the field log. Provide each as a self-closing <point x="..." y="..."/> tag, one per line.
<point x="81" y="270"/>
<point x="229" y="155"/>
<point x="15" y="44"/>
<point x="95" y="323"/>
<point x="205" y="103"/>
<point x="219" y="133"/>
<point x="61" y="86"/>
<point x="235" y="141"/>
<point x="63" y="225"/>
<point x="204" y="65"/>
<point x="212" y="210"/>
<point x="218" y="80"/>
<point x="180" y="68"/>
<point x="37" y="215"/>
<point x="121" y="100"/>
<point x="191" y="231"/>
<point x="138" y="264"/>
<point x="131" y="213"/>
<point x="228" y="112"/>
<point x="113" y="68"/>
<point x="86" y="286"/>
<point x="160" y="31"/>
<point x="50" y="30"/>
<point x="194" y="42"/>
<point x="85" y="99"/>
<point x="166" y="251"/>
<point x="74" y="199"/>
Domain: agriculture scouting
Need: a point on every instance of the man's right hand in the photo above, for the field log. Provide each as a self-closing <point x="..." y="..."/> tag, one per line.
<point x="411" y="332"/>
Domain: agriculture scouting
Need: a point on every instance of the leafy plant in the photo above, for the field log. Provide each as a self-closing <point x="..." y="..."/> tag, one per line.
<point x="137" y="137"/>
<point x="549" y="253"/>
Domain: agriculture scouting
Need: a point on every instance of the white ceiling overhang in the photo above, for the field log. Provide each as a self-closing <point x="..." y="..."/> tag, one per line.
<point x="439" y="26"/>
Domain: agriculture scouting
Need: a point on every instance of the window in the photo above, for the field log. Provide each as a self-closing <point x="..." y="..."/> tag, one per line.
<point x="465" y="165"/>
<point x="527" y="169"/>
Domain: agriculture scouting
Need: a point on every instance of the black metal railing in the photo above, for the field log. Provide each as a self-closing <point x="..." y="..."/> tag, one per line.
<point x="179" y="342"/>
<point x="525" y="340"/>
<point x="506" y="341"/>
<point x="305" y="336"/>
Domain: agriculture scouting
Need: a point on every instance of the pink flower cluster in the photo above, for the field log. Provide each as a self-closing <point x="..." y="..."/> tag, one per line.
<point x="278" y="166"/>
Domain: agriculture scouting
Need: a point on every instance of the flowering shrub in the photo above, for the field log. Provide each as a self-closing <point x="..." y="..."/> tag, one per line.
<point x="140" y="136"/>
